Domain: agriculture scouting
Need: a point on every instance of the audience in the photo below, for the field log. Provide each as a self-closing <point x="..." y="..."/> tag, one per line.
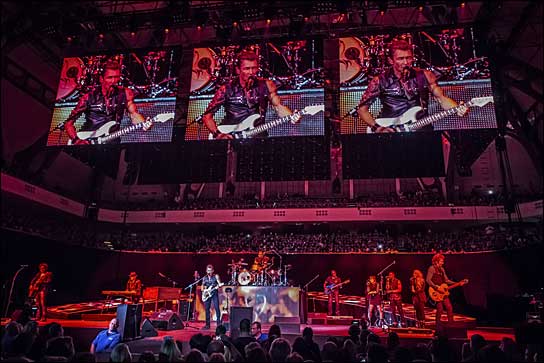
<point x="303" y="348"/>
<point x="107" y="339"/>
<point x="244" y="338"/>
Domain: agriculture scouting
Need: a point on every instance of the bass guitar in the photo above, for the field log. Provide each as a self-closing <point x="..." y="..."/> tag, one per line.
<point x="208" y="291"/>
<point x="247" y="129"/>
<point x="105" y="133"/>
<point x="408" y="121"/>
<point x="437" y="295"/>
<point x="330" y="287"/>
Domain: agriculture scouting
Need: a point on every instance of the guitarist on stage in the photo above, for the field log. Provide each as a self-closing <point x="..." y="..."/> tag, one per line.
<point x="244" y="96"/>
<point x="402" y="87"/>
<point x="38" y="290"/>
<point x="330" y="284"/>
<point x="210" y="281"/>
<point x="436" y="276"/>
<point x="103" y="104"/>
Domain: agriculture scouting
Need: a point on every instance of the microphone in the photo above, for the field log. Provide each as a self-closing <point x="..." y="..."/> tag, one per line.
<point x="161" y="274"/>
<point x="406" y="73"/>
<point x="353" y="111"/>
<point x="24" y="265"/>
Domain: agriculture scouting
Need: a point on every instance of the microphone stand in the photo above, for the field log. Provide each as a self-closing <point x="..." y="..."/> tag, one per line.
<point x="306" y="296"/>
<point x="284" y="283"/>
<point x="11" y="288"/>
<point x="190" y="308"/>
<point x="382" y="290"/>
<point x="174" y="283"/>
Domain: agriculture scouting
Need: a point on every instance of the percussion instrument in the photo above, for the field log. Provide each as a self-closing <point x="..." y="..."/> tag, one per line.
<point x="245" y="278"/>
<point x="70" y="78"/>
<point x="203" y="71"/>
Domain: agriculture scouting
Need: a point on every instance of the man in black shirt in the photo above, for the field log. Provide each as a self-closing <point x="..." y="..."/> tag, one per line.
<point x="104" y="104"/>
<point x="244" y="96"/>
<point x="402" y="87"/>
<point x="245" y="337"/>
<point x="211" y="280"/>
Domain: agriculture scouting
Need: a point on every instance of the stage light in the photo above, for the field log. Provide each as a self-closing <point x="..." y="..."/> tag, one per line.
<point x="462" y="5"/>
<point x="166" y="30"/>
<point x="101" y="36"/>
<point x="132" y="34"/>
<point x="199" y="28"/>
<point x="268" y="21"/>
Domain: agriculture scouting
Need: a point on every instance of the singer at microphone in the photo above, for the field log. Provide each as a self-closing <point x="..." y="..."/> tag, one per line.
<point x="399" y="89"/>
<point x="108" y="102"/>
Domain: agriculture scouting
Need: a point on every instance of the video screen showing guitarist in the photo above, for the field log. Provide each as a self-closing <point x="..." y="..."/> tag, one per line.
<point x="244" y="96"/>
<point x="439" y="285"/>
<point x="400" y="88"/>
<point x="104" y="104"/>
<point x="332" y="287"/>
<point x="210" y="284"/>
<point x="38" y="290"/>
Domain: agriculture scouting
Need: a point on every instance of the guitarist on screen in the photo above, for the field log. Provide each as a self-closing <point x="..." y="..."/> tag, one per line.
<point x="331" y="285"/>
<point x="210" y="284"/>
<point x="439" y="281"/>
<point x="38" y="289"/>
<point x="244" y="96"/>
<point x="104" y="104"/>
<point x="402" y="87"/>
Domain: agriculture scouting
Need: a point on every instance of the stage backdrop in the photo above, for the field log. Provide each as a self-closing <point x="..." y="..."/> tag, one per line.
<point x="81" y="273"/>
<point x="267" y="302"/>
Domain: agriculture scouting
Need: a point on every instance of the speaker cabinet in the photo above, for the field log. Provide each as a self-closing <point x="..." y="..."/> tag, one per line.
<point x="129" y="317"/>
<point x="148" y="330"/>
<point x="166" y="320"/>
<point x="237" y="314"/>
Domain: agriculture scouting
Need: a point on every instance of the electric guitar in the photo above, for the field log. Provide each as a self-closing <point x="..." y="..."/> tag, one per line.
<point x="408" y="121"/>
<point x="330" y="287"/>
<point x="438" y="296"/>
<point x="247" y="129"/>
<point x="104" y="135"/>
<point x="208" y="291"/>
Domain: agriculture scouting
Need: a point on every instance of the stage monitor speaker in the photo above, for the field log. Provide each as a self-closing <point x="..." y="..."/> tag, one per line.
<point x="237" y="314"/>
<point x="166" y="320"/>
<point x="453" y="330"/>
<point x="148" y="330"/>
<point x="129" y="317"/>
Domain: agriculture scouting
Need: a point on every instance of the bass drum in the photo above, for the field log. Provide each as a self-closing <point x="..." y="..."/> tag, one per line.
<point x="244" y="278"/>
<point x="70" y="76"/>
<point x="352" y="59"/>
<point x="204" y="65"/>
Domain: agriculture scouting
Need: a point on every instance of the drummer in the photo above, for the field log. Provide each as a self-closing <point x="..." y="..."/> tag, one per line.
<point x="261" y="262"/>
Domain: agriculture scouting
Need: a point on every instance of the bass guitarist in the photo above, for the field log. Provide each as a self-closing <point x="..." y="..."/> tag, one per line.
<point x="331" y="286"/>
<point x="402" y="87"/>
<point x="103" y="104"/>
<point x="210" y="284"/>
<point x="244" y="96"/>
<point x="436" y="278"/>
<point x="38" y="290"/>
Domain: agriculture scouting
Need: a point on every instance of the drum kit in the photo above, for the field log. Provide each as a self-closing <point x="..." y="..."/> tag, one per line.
<point x="213" y="67"/>
<point x="149" y="77"/>
<point x="365" y="57"/>
<point x="257" y="275"/>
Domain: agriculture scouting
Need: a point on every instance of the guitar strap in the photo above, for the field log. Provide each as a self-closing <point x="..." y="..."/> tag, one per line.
<point x="421" y="81"/>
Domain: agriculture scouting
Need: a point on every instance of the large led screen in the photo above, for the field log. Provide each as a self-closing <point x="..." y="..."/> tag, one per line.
<point x="449" y="55"/>
<point x="219" y="84"/>
<point x="116" y="98"/>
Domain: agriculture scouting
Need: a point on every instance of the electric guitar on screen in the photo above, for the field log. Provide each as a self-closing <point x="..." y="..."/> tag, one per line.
<point x="105" y="133"/>
<point x="408" y="121"/>
<point x="247" y="129"/>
